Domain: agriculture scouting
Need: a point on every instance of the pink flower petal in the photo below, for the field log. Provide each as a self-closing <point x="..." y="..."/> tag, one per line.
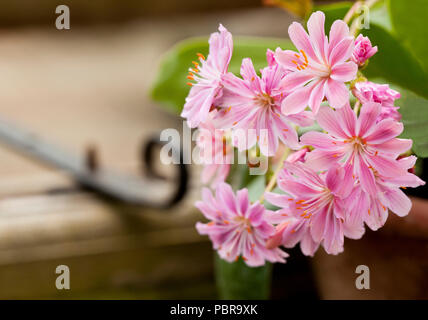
<point x="286" y="133"/>
<point x="316" y="96"/>
<point x="376" y="215"/>
<point x="383" y="131"/>
<point x="321" y="160"/>
<point x="226" y="198"/>
<point x="237" y="86"/>
<point x="398" y="202"/>
<point x="367" y="119"/>
<point x="345" y="71"/>
<point x="330" y="122"/>
<point x="242" y="200"/>
<point x="394" y="146"/>
<point x="285" y="59"/>
<point x="198" y="105"/>
<point x="319" y="225"/>
<point x="279" y="200"/>
<point x="317" y="34"/>
<point x="319" y="140"/>
<point x="308" y="245"/>
<point x="221" y="47"/>
<point x="333" y="242"/>
<point x="338" y="31"/>
<point x="348" y="119"/>
<point x="386" y="166"/>
<point x="297" y="101"/>
<point x="366" y="177"/>
<point x="303" y="119"/>
<point x="301" y="39"/>
<point x="249" y="74"/>
<point x="342" y="51"/>
<point x="295" y="80"/>
<point x="337" y="93"/>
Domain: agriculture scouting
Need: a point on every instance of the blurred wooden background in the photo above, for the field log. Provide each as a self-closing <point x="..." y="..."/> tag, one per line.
<point x="89" y="86"/>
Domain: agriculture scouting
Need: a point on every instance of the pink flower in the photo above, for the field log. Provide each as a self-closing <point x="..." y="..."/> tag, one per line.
<point x="314" y="208"/>
<point x="367" y="91"/>
<point x="215" y="151"/>
<point x="320" y="68"/>
<point x="237" y="228"/>
<point x="207" y="75"/>
<point x="373" y="209"/>
<point x="363" y="50"/>
<point x="253" y="103"/>
<point x="362" y="143"/>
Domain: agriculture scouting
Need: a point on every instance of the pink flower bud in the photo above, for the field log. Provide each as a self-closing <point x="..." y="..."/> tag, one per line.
<point x="381" y="93"/>
<point x="298" y="155"/>
<point x="363" y="50"/>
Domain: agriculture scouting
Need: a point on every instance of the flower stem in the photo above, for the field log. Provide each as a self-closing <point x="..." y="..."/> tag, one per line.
<point x="272" y="181"/>
<point x="351" y="13"/>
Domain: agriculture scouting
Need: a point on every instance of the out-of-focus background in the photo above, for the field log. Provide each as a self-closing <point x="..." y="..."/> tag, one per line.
<point x="88" y="86"/>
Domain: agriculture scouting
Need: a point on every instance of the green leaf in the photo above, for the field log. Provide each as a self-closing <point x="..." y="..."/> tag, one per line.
<point x="170" y="85"/>
<point x="256" y="188"/>
<point x="379" y="15"/>
<point x="409" y="20"/>
<point x="333" y="12"/>
<point x="394" y="63"/>
<point x="414" y="110"/>
<point x="238" y="281"/>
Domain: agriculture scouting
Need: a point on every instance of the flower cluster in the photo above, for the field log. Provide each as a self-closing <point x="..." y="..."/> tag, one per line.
<point x="336" y="181"/>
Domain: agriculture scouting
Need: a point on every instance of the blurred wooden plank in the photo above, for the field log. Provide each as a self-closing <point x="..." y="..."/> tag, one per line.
<point x="25" y="12"/>
<point x="89" y="86"/>
<point x="162" y="272"/>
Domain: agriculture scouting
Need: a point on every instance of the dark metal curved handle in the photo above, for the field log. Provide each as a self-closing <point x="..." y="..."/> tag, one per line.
<point x="148" y="191"/>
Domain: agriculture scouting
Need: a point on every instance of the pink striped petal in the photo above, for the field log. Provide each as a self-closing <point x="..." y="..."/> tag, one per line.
<point x="394" y="146"/>
<point x="316" y="97"/>
<point x="319" y="140"/>
<point x="249" y="74"/>
<point x="345" y="71"/>
<point x="383" y="131"/>
<point x="308" y="245"/>
<point x="317" y="33"/>
<point x="398" y="202"/>
<point x="386" y="166"/>
<point x="330" y="122"/>
<point x="366" y="177"/>
<point x="342" y="51"/>
<point x="367" y="119"/>
<point x="321" y="160"/>
<point x="338" y="31"/>
<point x="337" y="93"/>
<point x="301" y="40"/>
<point x="297" y="101"/>
<point x="348" y="119"/>
<point x="295" y="80"/>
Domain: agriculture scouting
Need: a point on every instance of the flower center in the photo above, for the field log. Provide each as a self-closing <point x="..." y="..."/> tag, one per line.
<point x="265" y="100"/>
<point x="358" y="143"/>
<point x="244" y="223"/>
